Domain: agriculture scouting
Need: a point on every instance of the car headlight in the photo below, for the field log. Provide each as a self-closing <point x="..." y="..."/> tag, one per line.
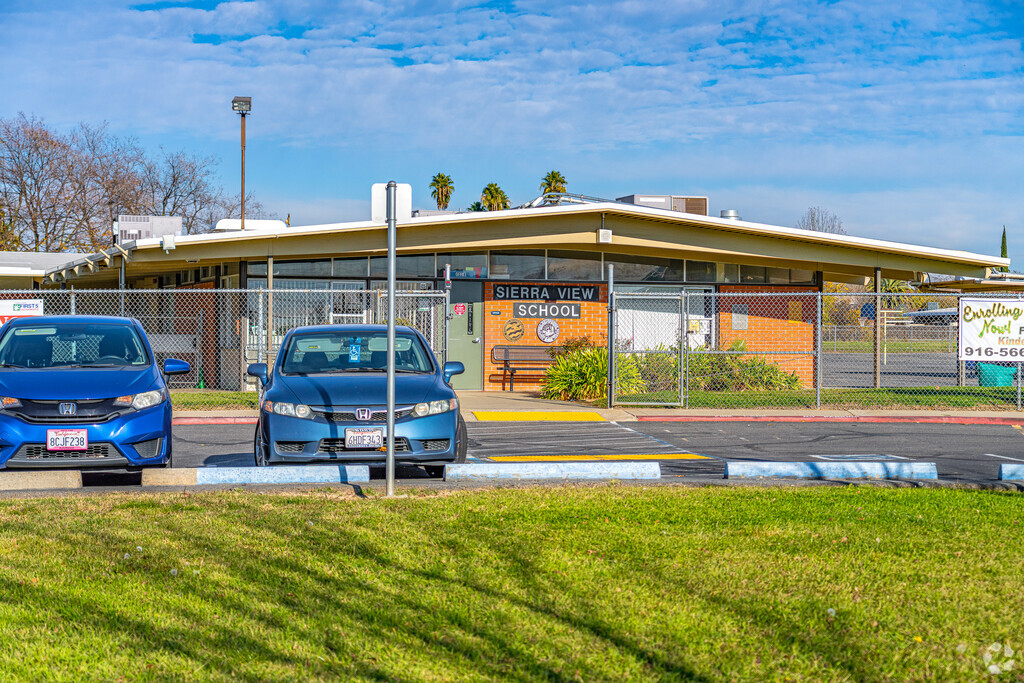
<point x="289" y="409"/>
<point x="146" y="399"/>
<point x="435" y="407"/>
<point x="8" y="402"/>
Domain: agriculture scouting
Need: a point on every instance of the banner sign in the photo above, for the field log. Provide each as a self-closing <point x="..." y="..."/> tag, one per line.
<point x="20" y="309"/>
<point x="991" y="329"/>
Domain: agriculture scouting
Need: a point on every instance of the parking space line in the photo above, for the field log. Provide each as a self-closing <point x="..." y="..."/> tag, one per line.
<point x="611" y="456"/>
<point x="536" y="416"/>
<point x="1002" y="457"/>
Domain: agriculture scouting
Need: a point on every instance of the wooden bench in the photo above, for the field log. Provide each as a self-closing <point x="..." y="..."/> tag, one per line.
<point x="515" y="358"/>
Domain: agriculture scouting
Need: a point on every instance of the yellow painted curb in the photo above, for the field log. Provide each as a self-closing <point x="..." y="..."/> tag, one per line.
<point x="614" y="456"/>
<point x="536" y="416"/>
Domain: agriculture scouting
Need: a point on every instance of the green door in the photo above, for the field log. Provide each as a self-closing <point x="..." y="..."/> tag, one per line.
<point x="466" y="333"/>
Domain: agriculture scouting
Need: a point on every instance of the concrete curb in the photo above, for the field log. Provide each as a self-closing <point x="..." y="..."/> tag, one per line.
<point x="824" y="418"/>
<point x="43" y="479"/>
<point x="552" y="470"/>
<point x="1008" y="472"/>
<point x="831" y="470"/>
<point x="295" y="474"/>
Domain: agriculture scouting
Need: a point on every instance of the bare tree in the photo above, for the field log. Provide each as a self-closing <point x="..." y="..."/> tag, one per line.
<point x="819" y="219"/>
<point x="62" y="192"/>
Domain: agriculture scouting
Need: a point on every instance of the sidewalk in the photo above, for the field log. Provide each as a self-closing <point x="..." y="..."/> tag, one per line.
<point x="503" y="406"/>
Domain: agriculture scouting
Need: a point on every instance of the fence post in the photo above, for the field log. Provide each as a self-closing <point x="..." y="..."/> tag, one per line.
<point x="444" y="313"/>
<point x="260" y="326"/>
<point x="686" y="349"/>
<point x="817" y="355"/>
<point x="878" y="329"/>
<point x="612" y="336"/>
<point x="683" y="332"/>
<point x="73" y="301"/>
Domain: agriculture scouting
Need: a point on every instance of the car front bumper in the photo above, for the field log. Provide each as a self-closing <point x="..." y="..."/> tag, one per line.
<point x="134" y="439"/>
<point x="421" y="440"/>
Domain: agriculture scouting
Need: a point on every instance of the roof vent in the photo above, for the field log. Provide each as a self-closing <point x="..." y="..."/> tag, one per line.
<point x="730" y="214"/>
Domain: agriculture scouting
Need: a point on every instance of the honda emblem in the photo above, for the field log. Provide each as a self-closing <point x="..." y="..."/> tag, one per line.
<point x="363" y="413"/>
<point x="68" y="408"/>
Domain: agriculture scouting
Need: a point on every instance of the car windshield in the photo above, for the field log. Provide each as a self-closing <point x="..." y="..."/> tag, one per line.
<point x="71" y="345"/>
<point x="321" y="352"/>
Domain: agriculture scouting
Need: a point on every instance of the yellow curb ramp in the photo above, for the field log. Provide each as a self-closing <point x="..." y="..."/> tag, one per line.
<point x="184" y="476"/>
<point x="615" y="456"/>
<point x="537" y="416"/>
<point x="43" y="479"/>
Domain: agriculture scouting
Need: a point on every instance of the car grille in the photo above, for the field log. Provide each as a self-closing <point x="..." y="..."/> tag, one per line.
<point x="289" y="446"/>
<point x="435" y="444"/>
<point x="338" y="446"/>
<point x="48" y="412"/>
<point x="148" y="449"/>
<point x="39" y="452"/>
<point x="348" y="414"/>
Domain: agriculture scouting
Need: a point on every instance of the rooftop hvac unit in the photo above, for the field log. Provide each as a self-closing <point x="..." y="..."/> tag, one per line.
<point x="670" y="202"/>
<point x="132" y="228"/>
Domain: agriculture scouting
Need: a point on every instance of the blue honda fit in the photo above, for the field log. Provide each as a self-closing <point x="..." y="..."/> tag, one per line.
<point x="84" y="392"/>
<point x="326" y="400"/>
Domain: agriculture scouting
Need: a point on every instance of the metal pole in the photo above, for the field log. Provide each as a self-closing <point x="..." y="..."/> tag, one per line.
<point x="817" y="353"/>
<point x="686" y="349"/>
<point x="683" y="332"/>
<point x="259" y="326"/>
<point x="390" y="462"/>
<point x="447" y="307"/>
<point x="243" y="170"/>
<point x="270" y="305"/>
<point x="878" y="328"/>
<point x="1018" y="386"/>
<point x="72" y="301"/>
<point x="611" y="335"/>
<point x="120" y="282"/>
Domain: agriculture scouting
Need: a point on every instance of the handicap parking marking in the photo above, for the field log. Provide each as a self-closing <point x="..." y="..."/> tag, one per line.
<point x="860" y="456"/>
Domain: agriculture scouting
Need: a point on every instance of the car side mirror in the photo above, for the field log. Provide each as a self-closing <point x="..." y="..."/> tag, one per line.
<point x="453" y="367"/>
<point x="258" y="370"/>
<point x="173" y="366"/>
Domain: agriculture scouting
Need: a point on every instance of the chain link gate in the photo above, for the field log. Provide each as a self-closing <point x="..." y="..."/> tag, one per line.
<point x="798" y="350"/>
<point x="221" y="331"/>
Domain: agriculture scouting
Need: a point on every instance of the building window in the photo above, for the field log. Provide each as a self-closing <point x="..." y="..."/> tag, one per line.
<point x="412" y="265"/>
<point x="701" y="271"/>
<point x="752" y="275"/>
<point x="350" y="267"/>
<point x="646" y="269"/>
<point x="573" y="265"/>
<point x="465" y="266"/>
<point x="518" y="265"/>
<point x="801" y="277"/>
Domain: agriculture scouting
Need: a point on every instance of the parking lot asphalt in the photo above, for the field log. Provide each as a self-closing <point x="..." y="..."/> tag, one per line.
<point x="684" y="449"/>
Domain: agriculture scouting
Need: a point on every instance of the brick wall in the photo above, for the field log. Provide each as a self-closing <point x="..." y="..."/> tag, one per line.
<point x="774" y="323"/>
<point x="593" y="321"/>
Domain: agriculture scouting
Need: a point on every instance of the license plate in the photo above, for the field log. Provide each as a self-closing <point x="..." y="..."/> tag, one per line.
<point x="364" y="438"/>
<point x="67" y="439"/>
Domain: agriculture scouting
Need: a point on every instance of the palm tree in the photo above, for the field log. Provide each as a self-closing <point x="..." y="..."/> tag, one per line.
<point x="441" y="188"/>
<point x="494" y="198"/>
<point x="552" y="182"/>
<point x="477" y="206"/>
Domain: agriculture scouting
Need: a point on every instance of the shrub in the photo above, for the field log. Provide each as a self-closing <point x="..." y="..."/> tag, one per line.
<point x="583" y="375"/>
<point x="738" y="373"/>
<point x="571" y="345"/>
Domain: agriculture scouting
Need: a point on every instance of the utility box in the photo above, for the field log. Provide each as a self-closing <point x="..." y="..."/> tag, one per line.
<point x="131" y="228"/>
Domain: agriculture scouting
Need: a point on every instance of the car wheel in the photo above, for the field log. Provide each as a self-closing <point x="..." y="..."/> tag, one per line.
<point x="461" y="441"/>
<point x="259" y="447"/>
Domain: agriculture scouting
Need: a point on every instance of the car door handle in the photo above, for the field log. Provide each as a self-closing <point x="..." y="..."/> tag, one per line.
<point x="477" y="340"/>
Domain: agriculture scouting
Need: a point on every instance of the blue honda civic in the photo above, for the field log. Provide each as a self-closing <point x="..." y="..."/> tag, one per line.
<point x="325" y="399"/>
<point x="83" y="392"/>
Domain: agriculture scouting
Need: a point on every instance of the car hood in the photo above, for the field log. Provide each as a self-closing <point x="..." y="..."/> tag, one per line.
<point x="75" y="385"/>
<point x="354" y="389"/>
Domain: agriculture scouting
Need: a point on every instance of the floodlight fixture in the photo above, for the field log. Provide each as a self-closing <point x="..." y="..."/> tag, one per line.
<point x="242" y="105"/>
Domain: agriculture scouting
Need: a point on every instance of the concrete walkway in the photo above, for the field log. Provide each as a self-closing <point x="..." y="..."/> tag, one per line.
<point x="495" y="403"/>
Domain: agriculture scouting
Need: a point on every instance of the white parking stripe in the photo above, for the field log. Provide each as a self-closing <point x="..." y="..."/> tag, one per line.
<point x="1003" y="457"/>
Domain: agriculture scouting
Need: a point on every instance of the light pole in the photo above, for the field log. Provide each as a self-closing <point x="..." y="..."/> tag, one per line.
<point x="242" y="105"/>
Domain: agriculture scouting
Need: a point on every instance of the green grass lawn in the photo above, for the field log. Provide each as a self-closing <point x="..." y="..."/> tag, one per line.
<point x="981" y="398"/>
<point x="592" y="583"/>
<point x="199" y="399"/>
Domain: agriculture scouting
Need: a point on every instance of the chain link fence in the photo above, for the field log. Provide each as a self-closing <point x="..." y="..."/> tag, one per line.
<point x="221" y="331"/>
<point x="798" y="350"/>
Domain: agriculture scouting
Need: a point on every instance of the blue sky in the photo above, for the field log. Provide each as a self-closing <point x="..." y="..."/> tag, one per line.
<point x="904" y="118"/>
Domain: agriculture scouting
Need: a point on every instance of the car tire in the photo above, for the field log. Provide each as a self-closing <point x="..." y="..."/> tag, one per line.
<point x="259" y="448"/>
<point x="461" y="441"/>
